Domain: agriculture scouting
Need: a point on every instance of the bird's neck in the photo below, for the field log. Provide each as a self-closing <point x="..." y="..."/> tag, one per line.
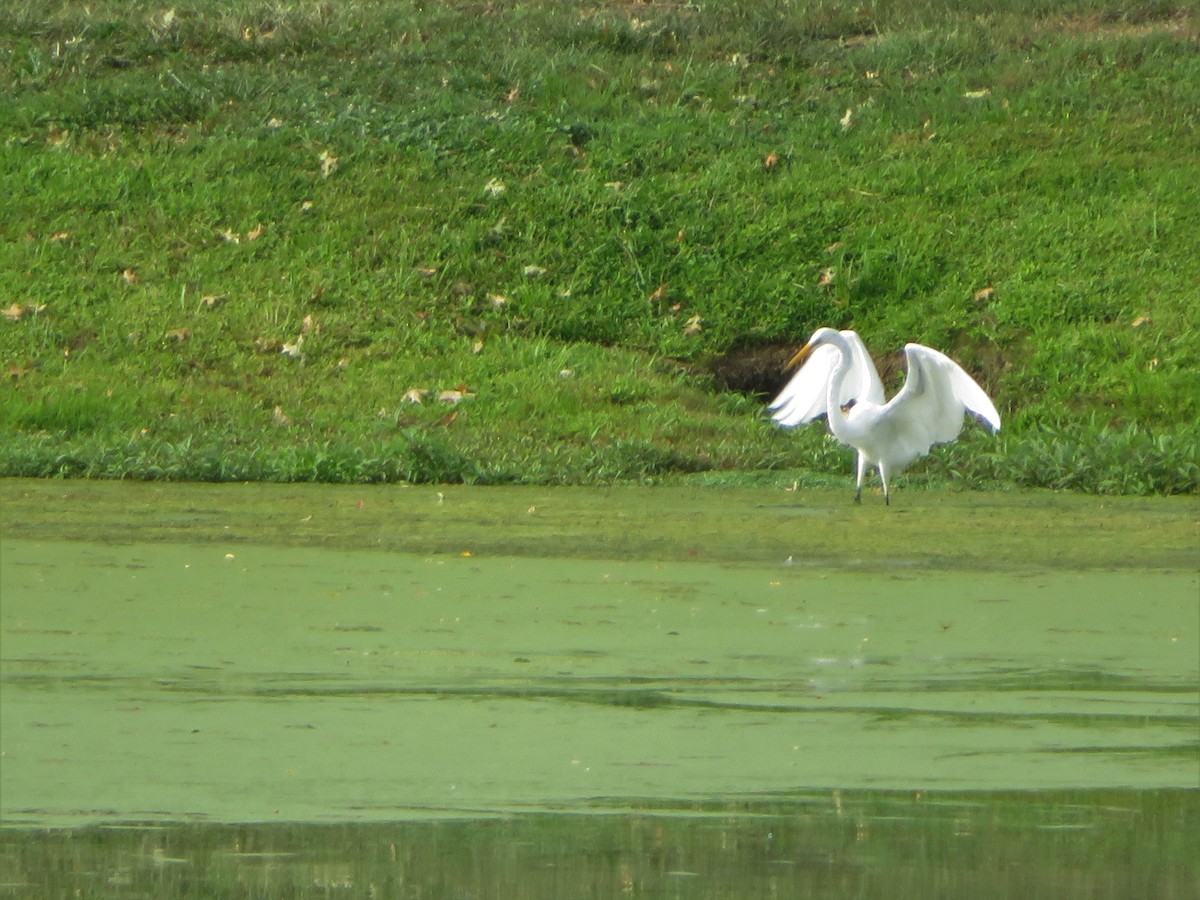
<point x="833" y="403"/>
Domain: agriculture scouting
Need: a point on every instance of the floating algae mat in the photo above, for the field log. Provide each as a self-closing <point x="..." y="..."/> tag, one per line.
<point x="356" y="684"/>
<point x="152" y="681"/>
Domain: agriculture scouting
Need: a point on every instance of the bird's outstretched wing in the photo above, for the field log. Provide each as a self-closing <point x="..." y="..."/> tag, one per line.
<point x="806" y="396"/>
<point x="929" y="408"/>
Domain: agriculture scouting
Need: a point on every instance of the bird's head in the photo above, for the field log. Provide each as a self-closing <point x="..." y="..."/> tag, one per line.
<point x="819" y="338"/>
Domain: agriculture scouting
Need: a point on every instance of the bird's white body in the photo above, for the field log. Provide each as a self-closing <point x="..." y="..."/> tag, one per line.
<point x="839" y="381"/>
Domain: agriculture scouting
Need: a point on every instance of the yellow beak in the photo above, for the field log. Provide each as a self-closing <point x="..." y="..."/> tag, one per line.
<point x="800" y="357"/>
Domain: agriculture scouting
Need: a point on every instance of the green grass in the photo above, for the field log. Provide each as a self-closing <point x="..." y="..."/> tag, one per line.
<point x="582" y="213"/>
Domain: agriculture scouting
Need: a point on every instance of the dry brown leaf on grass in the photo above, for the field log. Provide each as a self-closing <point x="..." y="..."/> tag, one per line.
<point x="329" y="163"/>
<point x="295" y="350"/>
<point x="229" y="236"/>
<point x="256" y="232"/>
<point x="456" y="395"/>
<point x="281" y="417"/>
<point x="415" y="395"/>
<point x="770" y="160"/>
<point x="15" y="312"/>
<point x="178" y="335"/>
<point x="825" y="279"/>
<point x="659" y="294"/>
<point x="984" y="294"/>
<point x="692" y="326"/>
<point x="130" y="276"/>
<point x="1139" y="322"/>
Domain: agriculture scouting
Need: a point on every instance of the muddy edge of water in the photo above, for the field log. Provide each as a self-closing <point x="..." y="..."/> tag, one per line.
<point x="935" y="529"/>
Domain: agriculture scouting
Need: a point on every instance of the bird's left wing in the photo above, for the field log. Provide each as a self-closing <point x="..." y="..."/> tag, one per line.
<point x="929" y="408"/>
<point x="863" y="382"/>
<point x="806" y="396"/>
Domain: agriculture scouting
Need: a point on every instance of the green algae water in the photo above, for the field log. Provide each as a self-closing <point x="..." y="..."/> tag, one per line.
<point x="281" y="691"/>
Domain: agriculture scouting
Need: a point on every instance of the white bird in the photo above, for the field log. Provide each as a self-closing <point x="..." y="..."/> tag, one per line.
<point x="839" y="381"/>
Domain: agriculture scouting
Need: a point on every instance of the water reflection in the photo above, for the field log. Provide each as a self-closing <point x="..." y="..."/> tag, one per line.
<point x="1091" y="844"/>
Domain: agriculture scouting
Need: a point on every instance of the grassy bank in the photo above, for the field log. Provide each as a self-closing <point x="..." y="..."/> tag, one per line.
<point x="540" y="242"/>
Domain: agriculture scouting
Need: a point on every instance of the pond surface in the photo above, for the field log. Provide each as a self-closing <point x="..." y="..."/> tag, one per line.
<point x="664" y="692"/>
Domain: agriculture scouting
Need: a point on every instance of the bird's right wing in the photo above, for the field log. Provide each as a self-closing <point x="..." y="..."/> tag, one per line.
<point x="929" y="408"/>
<point x="806" y="396"/>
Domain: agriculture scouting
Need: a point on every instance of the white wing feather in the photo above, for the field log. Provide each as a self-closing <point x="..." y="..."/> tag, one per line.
<point x="929" y="408"/>
<point x="806" y="396"/>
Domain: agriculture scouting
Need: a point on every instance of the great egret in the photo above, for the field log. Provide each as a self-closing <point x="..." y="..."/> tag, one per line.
<point x="839" y="381"/>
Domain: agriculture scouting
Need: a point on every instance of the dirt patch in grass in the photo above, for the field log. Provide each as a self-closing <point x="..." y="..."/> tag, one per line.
<point x="1151" y="20"/>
